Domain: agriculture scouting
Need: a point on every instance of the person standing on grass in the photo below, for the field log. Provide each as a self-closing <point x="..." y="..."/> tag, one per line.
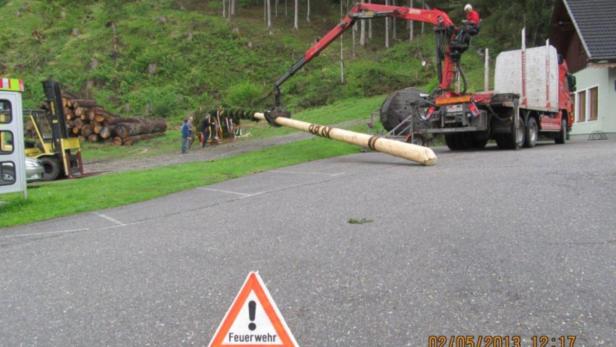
<point x="186" y="131"/>
<point x="204" y="127"/>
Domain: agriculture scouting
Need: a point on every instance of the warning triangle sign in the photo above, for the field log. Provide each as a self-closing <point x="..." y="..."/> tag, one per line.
<point x="253" y="319"/>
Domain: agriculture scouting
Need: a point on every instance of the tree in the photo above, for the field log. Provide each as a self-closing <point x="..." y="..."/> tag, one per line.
<point x="269" y="15"/>
<point x="370" y="25"/>
<point x="296" y="18"/>
<point x="411" y="23"/>
<point x="386" y="28"/>
<point x="362" y="32"/>
<point x="394" y="22"/>
<point x="341" y="49"/>
<point x="308" y="11"/>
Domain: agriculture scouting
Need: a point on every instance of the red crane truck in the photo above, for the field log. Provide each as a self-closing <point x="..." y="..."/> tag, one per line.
<point x="512" y="116"/>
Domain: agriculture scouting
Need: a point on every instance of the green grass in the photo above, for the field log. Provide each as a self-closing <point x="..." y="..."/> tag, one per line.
<point x="74" y="196"/>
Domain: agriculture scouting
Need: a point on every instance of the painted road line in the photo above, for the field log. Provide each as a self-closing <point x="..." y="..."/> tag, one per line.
<point x="290" y="172"/>
<point x="106" y="217"/>
<point x="68" y="231"/>
<point x="243" y="195"/>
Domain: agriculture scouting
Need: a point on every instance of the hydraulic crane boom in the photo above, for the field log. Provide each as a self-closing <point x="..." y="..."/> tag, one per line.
<point x="447" y="56"/>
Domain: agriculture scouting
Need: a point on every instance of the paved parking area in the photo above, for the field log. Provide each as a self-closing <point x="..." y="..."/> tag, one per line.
<point x="485" y="243"/>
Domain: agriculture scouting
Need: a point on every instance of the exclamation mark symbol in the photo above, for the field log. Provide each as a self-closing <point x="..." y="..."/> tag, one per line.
<point x="252" y="310"/>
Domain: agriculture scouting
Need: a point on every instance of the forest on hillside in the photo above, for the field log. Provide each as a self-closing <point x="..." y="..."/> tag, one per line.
<point x="503" y="19"/>
<point x="165" y="57"/>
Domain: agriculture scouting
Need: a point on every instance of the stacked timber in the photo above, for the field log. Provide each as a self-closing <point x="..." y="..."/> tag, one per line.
<point x="92" y="123"/>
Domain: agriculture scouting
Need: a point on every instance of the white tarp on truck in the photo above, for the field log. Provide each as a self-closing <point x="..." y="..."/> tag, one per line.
<point x="541" y="77"/>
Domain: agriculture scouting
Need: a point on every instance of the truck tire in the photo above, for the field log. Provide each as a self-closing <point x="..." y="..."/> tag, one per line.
<point x="515" y="138"/>
<point x="479" y="140"/>
<point x="459" y="141"/>
<point x="452" y="142"/>
<point x="532" y="133"/>
<point x="51" y="168"/>
<point x="561" y="138"/>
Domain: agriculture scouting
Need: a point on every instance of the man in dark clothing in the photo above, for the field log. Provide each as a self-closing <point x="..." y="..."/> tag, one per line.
<point x="186" y="131"/>
<point x="204" y="127"/>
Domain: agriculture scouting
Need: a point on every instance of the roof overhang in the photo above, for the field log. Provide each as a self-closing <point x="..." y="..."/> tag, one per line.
<point x="602" y="64"/>
<point x="577" y="28"/>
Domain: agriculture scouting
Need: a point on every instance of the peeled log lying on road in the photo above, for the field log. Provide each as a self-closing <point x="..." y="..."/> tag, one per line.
<point x="419" y="154"/>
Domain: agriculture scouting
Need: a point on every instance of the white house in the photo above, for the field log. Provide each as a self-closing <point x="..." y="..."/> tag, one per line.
<point x="584" y="32"/>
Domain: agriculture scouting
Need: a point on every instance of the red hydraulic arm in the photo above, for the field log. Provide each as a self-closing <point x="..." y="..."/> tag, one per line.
<point x="444" y="27"/>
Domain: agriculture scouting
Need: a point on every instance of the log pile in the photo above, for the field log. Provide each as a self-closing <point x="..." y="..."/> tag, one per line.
<point x="90" y="122"/>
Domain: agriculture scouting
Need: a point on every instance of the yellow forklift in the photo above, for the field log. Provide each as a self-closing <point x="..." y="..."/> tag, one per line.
<point x="47" y="137"/>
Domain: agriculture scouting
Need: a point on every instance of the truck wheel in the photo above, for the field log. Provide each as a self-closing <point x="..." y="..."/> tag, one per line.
<point x="452" y="142"/>
<point x="561" y="138"/>
<point x="458" y="141"/>
<point x="51" y="168"/>
<point x="532" y="133"/>
<point x="479" y="140"/>
<point x="514" y="139"/>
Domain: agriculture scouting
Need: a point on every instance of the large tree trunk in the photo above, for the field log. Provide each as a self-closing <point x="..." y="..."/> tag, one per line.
<point x="129" y="141"/>
<point x="139" y="126"/>
<point x="308" y="11"/>
<point x="423" y="24"/>
<point x="354" y="35"/>
<point x="394" y="23"/>
<point x="341" y="49"/>
<point x="362" y="31"/>
<point x="296" y="18"/>
<point x="269" y="15"/>
<point x="386" y="28"/>
<point x="411" y="24"/>
<point x="370" y="25"/>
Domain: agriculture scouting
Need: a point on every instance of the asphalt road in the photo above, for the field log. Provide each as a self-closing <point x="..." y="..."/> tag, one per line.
<point x="485" y="243"/>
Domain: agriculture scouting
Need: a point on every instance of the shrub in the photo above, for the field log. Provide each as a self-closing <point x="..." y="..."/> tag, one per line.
<point x="244" y="94"/>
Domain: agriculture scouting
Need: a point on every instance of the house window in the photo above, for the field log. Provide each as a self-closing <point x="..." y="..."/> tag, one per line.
<point x="581" y="106"/>
<point x="593" y="112"/>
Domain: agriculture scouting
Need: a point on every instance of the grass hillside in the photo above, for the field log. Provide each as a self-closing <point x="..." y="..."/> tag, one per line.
<point x="168" y="57"/>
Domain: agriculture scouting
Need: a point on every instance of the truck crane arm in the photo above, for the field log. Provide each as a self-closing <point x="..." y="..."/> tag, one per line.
<point x="444" y="27"/>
